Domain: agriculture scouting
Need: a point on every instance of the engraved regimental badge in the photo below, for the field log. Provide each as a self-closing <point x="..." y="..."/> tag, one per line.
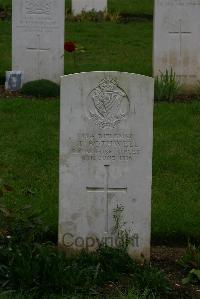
<point x="108" y="104"/>
<point x="38" y="7"/>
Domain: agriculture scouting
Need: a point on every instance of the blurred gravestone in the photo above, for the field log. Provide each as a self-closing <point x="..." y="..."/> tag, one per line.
<point x="38" y="39"/>
<point x="177" y="39"/>
<point x="78" y="6"/>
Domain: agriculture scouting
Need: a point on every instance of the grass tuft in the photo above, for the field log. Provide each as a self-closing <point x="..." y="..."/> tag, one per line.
<point x="167" y="86"/>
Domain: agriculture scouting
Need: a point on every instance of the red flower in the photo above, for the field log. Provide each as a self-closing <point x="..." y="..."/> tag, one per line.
<point x="69" y="46"/>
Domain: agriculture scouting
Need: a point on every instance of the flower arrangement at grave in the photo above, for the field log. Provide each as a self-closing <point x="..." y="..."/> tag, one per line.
<point x="69" y="46"/>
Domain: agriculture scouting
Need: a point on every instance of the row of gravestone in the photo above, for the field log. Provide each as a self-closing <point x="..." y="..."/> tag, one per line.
<point x="106" y="130"/>
<point x="38" y="37"/>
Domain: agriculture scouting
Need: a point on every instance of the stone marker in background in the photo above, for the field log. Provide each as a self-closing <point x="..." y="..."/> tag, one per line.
<point x="106" y="161"/>
<point x="38" y="39"/>
<point x="177" y="39"/>
<point x="78" y="6"/>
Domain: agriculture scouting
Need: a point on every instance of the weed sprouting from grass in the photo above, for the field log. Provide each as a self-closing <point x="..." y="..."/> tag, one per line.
<point x="167" y="86"/>
<point x="190" y="261"/>
<point x="191" y="257"/>
<point x="119" y="229"/>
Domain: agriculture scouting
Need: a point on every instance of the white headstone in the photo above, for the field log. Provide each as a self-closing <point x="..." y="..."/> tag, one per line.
<point x="78" y="6"/>
<point x="177" y="39"/>
<point x="38" y="39"/>
<point x="106" y="160"/>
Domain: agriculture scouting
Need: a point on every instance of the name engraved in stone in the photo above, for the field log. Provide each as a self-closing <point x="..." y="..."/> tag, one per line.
<point x="30" y="26"/>
<point x="120" y="147"/>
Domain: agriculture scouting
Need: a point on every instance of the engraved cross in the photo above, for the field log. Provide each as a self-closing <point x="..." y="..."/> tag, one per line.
<point x="180" y="33"/>
<point x="107" y="191"/>
<point x="38" y="50"/>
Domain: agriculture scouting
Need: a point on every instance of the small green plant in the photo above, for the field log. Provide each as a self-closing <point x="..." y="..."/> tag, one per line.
<point x="41" y="88"/>
<point x="119" y="228"/>
<point x="191" y="258"/>
<point x="190" y="261"/>
<point x="154" y="280"/>
<point x="192" y="277"/>
<point x="166" y="86"/>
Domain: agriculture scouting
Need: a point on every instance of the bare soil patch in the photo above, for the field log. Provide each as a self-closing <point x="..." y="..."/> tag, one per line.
<point x="166" y="258"/>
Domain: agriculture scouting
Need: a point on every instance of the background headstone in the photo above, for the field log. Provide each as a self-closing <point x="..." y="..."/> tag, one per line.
<point x="38" y="39"/>
<point x="177" y="39"/>
<point x="106" y="160"/>
<point x="88" y="5"/>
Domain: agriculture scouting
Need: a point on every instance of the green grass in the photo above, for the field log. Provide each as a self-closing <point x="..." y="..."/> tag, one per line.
<point x="106" y="46"/>
<point x="137" y="7"/>
<point x="5" y="48"/>
<point x="29" y="156"/>
<point x="111" y="46"/>
<point x="176" y="170"/>
<point x="5" y="4"/>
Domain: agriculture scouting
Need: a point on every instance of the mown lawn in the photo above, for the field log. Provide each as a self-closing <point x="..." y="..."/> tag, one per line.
<point x="29" y="143"/>
<point x="110" y="46"/>
<point x="137" y="7"/>
<point x="176" y="172"/>
<point x="101" y="46"/>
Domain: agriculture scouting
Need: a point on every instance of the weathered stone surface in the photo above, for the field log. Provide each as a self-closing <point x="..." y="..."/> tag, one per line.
<point x="177" y="39"/>
<point x="38" y="39"/>
<point x="88" y="5"/>
<point x="106" y="160"/>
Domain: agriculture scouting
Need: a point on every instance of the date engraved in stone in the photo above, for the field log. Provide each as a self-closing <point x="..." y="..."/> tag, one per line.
<point x="108" y="104"/>
<point x="105" y="147"/>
